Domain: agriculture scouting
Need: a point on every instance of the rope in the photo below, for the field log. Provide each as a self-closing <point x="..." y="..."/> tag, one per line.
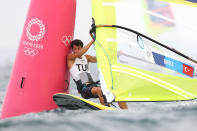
<point x="108" y="60"/>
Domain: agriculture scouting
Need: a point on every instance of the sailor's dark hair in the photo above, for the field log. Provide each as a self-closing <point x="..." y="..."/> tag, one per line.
<point x="76" y="42"/>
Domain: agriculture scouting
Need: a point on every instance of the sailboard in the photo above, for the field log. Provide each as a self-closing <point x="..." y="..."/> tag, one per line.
<point x="135" y="65"/>
<point x="71" y="102"/>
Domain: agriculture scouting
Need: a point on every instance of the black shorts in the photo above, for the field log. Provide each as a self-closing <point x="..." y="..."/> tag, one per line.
<point x="86" y="91"/>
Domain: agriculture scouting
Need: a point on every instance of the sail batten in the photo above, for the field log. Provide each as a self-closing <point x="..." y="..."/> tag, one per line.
<point x="183" y="2"/>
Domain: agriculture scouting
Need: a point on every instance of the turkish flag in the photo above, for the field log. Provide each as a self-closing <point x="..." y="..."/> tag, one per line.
<point x="188" y="70"/>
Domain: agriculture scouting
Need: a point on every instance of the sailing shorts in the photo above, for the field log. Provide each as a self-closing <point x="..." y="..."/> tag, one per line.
<point x="86" y="91"/>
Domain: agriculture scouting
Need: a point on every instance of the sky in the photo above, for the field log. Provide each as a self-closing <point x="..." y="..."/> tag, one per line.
<point x="12" y="18"/>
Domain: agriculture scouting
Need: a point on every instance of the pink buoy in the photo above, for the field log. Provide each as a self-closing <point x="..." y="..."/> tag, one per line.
<point x="40" y="66"/>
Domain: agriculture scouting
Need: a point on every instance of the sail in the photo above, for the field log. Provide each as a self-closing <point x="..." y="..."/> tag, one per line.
<point x="136" y="65"/>
<point x="153" y="22"/>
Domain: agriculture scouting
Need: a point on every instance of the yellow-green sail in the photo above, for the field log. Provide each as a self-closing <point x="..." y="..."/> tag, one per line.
<point x="145" y="81"/>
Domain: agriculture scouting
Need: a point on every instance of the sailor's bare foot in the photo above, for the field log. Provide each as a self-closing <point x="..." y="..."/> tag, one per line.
<point x="123" y="105"/>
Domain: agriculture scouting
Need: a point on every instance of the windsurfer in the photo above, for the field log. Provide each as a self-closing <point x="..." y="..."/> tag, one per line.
<point x="77" y="63"/>
<point x="78" y="66"/>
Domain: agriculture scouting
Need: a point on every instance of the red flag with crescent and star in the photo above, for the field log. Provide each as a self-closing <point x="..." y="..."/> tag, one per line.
<point x="188" y="70"/>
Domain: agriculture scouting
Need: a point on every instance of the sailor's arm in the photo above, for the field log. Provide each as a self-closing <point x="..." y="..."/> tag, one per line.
<point x="91" y="58"/>
<point x="81" y="51"/>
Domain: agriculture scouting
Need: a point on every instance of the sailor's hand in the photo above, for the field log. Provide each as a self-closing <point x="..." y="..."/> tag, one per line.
<point x="91" y="34"/>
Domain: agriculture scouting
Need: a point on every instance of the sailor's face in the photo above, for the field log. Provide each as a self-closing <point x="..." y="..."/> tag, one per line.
<point x="76" y="48"/>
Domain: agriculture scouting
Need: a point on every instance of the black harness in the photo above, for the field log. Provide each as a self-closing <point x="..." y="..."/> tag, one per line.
<point x="80" y="86"/>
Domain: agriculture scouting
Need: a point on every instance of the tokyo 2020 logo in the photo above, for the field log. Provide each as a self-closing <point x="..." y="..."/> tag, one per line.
<point x="35" y="30"/>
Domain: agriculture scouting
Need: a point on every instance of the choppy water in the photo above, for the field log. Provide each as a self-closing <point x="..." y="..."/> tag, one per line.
<point x="172" y="116"/>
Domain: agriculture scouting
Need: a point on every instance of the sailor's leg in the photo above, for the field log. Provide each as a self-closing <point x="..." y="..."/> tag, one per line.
<point x="96" y="91"/>
<point x="123" y="105"/>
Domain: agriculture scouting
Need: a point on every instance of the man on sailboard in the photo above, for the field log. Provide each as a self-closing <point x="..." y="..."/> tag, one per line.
<point x="78" y="66"/>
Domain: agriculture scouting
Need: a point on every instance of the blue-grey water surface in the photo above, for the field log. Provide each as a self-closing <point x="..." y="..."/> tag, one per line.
<point x="169" y="116"/>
